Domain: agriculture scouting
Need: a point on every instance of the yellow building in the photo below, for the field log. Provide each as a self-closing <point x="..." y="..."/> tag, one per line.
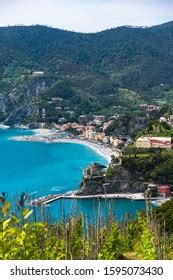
<point x="99" y="137"/>
<point x="90" y="134"/>
<point x="154" y="142"/>
<point x="115" y="141"/>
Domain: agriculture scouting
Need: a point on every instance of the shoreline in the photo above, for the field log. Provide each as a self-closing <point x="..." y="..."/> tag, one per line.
<point x="51" y="137"/>
<point x="102" y="150"/>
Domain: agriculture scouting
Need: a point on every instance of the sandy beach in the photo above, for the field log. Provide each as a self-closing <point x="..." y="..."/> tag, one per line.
<point x="102" y="150"/>
<point x="51" y="136"/>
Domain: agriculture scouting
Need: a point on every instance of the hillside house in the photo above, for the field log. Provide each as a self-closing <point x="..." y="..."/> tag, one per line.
<point x="164" y="191"/>
<point x="94" y="170"/>
<point x="154" y="142"/>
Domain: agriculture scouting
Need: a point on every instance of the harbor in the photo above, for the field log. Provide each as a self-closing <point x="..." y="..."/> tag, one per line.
<point x="45" y="200"/>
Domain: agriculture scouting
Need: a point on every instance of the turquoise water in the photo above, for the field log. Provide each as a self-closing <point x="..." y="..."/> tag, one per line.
<point x="91" y="208"/>
<point x="42" y="168"/>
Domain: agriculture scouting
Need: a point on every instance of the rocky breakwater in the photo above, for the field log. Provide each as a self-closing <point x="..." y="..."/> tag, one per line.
<point x="121" y="182"/>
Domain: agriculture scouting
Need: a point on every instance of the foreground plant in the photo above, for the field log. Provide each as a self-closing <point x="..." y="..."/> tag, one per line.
<point x="23" y="239"/>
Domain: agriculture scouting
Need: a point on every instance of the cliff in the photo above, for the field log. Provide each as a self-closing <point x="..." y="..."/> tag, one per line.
<point x="22" y="104"/>
<point x="121" y="182"/>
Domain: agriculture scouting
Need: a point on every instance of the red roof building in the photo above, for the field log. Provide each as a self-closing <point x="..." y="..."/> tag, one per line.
<point x="164" y="191"/>
<point x="160" y="143"/>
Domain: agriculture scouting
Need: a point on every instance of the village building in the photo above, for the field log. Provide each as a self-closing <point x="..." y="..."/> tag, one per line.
<point x="149" y="108"/>
<point x="58" y="108"/>
<point x="98" y="120"/>
<point x="94" y="170"/>
<point x="107" y="124"/>
<point x="164" y="191"/>
<point x="90" y="134"/>
<point x="115" y="141"/>
<point x="37" y="73"/>
<point x="154" y="142"/>
<point x="106" y="140"/>
<point x="163" y="120"/>
<point x="43" y="114"/>
<point x="99" y="137"/>
<point x="56" y="99"/>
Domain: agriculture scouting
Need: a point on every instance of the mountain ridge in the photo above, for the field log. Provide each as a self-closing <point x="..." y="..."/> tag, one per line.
<point x="92" y="66"/>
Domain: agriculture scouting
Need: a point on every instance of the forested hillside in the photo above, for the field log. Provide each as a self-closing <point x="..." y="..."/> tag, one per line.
<point x="116" y="69"/>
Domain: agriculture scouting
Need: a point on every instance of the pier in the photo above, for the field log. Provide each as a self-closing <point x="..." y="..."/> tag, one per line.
<point x="45" y="200"/>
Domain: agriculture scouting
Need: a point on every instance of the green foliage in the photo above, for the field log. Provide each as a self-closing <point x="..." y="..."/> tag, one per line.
<point x="113" y="245"/>
<point x="23" y="239"/>
<point x="107" y="72"/>
<point x="75" y="237"/>
<point x="155" y="128"/>
<point x="113" y="170"/>
<point x="127" y="124"/>
<point x="145" y="244"/>
<point x="164" y="215"/>
<point x="154" y="164"/>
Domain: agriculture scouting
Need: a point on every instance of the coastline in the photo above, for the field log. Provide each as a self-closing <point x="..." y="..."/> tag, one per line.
<point x="102" y="150"/>
<point x="51" y="137"/>
<point x="3" y="126"/>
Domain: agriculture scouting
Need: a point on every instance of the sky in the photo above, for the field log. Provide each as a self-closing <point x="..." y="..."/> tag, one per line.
<point x="85" y="15"/>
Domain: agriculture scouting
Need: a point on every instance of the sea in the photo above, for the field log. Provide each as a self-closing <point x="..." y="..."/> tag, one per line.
<point x="40" y="169"/>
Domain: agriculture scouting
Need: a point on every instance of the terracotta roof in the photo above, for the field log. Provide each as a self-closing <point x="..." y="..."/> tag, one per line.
<point x="165" y="142"/>
<point x="164" y="187"/>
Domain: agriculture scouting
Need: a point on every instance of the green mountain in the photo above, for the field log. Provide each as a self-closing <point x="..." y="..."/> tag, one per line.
<point x="106" y="72"/>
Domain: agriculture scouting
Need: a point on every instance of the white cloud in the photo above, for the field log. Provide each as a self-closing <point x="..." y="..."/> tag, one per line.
<point x="85" y="16"/>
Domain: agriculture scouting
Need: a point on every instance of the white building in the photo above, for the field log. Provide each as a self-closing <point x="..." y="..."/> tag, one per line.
<point x="37" y="73"/>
